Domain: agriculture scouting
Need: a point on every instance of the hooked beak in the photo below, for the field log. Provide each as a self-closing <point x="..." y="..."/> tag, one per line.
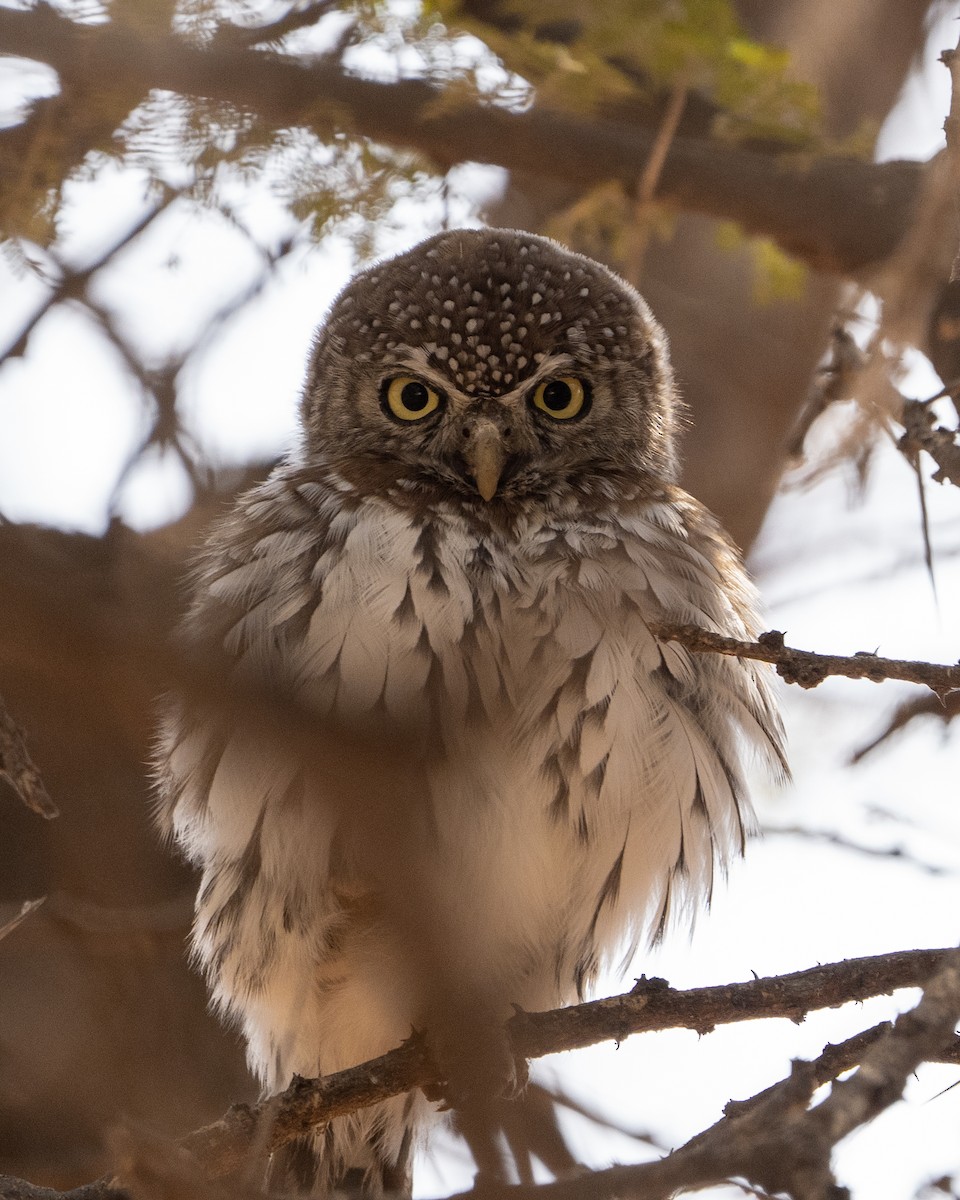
<point x="486" y="454"/>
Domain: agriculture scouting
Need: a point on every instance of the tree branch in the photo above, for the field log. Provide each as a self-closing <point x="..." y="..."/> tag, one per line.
<point x="808" y="668"/>
<point x="837" y="215"/>
<point x="774" y="1139"/>
<point x="72" y="283"/>
<point x="945" y="710"/>
<point x="652" y="1005"/>
<point x="223" y="1148"/>
<point x="888" y="1064"/>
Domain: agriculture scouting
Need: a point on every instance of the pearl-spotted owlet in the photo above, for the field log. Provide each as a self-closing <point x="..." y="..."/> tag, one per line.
<point x="457" y="570"/>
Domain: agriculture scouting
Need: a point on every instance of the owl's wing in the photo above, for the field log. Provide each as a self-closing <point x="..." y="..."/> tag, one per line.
<point x="657" y="738"/>
<point x="290" y="925"/>
<point x="233" y="795"/>
<point x="251" y="589"/>
<point x="720" y="712"/>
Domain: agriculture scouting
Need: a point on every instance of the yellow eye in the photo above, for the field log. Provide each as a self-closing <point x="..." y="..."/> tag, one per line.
<point x="561" y="398"/>
<point x="408" y="398"/>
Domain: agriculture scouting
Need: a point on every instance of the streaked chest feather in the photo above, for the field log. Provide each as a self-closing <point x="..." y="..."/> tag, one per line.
<point x="389" y="611"/>
<point x="582" y="773"/>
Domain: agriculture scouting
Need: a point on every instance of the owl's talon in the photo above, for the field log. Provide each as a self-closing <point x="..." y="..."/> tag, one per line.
<point x="517" y="1084"/>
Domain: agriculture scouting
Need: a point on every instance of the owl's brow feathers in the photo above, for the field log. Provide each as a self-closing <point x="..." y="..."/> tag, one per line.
<point x="488" y="311"/>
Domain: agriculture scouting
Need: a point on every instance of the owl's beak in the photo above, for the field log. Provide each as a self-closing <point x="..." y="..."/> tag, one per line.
<point x="485" y="454"/>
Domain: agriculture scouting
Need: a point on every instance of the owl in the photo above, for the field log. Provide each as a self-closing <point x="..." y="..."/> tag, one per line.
<point x="459" y="569"/>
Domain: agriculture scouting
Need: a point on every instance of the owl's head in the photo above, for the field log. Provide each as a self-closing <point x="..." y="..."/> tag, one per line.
<point x="495" y="365"/>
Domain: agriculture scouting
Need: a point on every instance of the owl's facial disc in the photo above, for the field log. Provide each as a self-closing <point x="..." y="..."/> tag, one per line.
<point x="486" y="441"/>
<point x="494" y="366"/>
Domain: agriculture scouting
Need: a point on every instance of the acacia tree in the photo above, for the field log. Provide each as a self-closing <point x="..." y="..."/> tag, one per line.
<point x="718" y="154"/>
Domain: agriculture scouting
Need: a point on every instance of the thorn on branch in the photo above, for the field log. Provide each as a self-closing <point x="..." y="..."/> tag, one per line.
<point x="646" y="984"/>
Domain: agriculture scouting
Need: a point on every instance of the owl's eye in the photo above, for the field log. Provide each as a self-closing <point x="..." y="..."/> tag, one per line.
<point x="408" y="398"/>
<point x="562" y="398"/>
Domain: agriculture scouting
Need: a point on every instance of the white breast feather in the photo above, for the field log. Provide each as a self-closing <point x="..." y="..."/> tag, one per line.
<point x="597" y="791"/>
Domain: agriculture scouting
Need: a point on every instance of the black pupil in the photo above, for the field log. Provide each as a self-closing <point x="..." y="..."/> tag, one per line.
<point x="414" y="396"/>
<point x="557" y="395"/>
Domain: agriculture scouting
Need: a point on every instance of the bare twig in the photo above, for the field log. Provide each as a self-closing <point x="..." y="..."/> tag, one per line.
<point x="830" y="837"/>
<point x="19" y="769"/>
<point x="72" y="283"/>
<point x="26" y="908"/>
<point x="808" y="668"/>
<point x="775" y="1140"/>
<point x="602" y="1120"/>
<point x="644" y="209"/>
<point x="167" y="431"/>
<point x="888" y="1064"/>
<point x="944" y="709"/>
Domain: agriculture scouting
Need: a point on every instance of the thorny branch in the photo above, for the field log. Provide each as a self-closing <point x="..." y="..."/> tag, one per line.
<point x="19" y="769"/>
<point x="808" y="668"/>
<point x="921" y="430"/>
<point x="775" y="1140"/>
<point x="919" y="287"/>
<point x="888" y="1065"/>
<point x="740" y="1144"/>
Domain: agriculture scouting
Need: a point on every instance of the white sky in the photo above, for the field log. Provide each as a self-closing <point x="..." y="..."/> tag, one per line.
<point x="837" y="575"/>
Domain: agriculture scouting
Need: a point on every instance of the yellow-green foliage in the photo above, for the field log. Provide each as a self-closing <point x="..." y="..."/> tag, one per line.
<point x="583" y="57"/>
<point x="777" y="275"/>
<point x="587" y="55"/>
